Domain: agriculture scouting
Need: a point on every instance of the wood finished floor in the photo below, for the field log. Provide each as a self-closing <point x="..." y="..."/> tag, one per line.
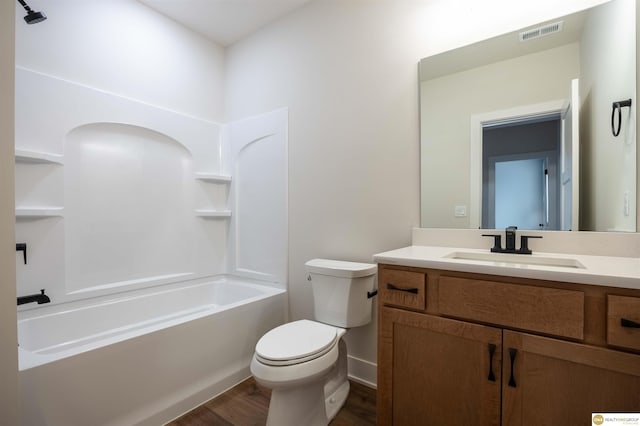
<point x="247" y="404"/>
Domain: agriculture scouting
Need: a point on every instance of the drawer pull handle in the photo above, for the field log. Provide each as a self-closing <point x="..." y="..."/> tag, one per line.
<point x="512" y="356"/>
<point x="629" y="324"/>
<point x="406" y="290"/>
<point x="492" y="351"/>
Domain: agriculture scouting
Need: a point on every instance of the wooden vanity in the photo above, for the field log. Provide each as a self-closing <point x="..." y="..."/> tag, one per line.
<point x="461" y="348"/>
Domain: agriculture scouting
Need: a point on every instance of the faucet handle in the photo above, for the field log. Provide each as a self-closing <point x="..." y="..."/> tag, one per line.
<point x="497" y="242"/>
<point x="524" y="243"/>
<point x="23" y="248"/>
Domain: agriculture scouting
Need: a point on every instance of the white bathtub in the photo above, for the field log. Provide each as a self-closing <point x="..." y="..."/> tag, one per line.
<point x="142" y="358"/>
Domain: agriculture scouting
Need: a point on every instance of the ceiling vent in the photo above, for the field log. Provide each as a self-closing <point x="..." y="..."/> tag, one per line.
<point x="545" y="30"/>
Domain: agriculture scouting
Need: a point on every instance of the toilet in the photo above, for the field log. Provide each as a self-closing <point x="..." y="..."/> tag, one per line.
<point x="305" y="362"/>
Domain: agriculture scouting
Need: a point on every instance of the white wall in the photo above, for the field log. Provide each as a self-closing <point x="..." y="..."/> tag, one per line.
<point x="347" y="70"/>
<point x="9" y="403"/>
<point x="123" y="47"/>
<point x="608" y="75"/>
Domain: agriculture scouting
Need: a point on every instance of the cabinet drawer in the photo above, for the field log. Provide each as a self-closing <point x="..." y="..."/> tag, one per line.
<point x="402" y="288"/>
<point x="540" y="309"/>
<point x="623" y="321"/>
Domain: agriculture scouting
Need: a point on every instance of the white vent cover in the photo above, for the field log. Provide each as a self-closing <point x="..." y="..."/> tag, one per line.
<point x="541" y="31"/>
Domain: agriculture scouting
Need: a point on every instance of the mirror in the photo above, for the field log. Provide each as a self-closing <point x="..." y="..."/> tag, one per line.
<point x="505" y="118"/>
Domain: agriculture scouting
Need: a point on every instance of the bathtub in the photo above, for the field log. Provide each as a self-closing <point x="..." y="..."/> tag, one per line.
<point x="141" y="358"/>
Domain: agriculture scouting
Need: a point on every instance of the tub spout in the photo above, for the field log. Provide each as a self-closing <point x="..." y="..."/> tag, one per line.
<point x="39" y="298"/>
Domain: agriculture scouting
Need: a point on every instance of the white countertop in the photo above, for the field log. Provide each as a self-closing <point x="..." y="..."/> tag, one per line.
<point x="598" y="270"/>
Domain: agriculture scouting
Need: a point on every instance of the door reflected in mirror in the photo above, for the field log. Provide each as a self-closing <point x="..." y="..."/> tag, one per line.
<point x="579" y="175"/>
<point x="521" y="186"/>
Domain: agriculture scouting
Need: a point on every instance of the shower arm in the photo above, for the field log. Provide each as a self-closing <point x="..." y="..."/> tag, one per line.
<point x="25" y="5"/>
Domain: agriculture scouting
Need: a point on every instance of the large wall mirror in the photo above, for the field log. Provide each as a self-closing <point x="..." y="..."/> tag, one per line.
<point x="517" y="129"/>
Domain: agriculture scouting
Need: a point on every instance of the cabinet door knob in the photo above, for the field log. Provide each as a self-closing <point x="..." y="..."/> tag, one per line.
<point x="512" y="356"/>
<point x="406" y="290"/>
<point x="629" y="324"/>
<point x="492" y="351"/>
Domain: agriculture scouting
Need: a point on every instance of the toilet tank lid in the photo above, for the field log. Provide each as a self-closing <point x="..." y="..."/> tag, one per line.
<point x="341" y="268"/>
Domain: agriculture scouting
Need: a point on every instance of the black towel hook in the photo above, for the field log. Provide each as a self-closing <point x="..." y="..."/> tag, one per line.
<point x="617" y="106"/>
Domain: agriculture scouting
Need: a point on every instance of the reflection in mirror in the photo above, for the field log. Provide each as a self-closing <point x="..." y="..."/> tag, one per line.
<point x="516" y="130"/>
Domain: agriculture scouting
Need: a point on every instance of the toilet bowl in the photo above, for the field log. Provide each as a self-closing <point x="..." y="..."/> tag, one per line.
<point x="297" y="361"/>
<point x="305" y="362"/>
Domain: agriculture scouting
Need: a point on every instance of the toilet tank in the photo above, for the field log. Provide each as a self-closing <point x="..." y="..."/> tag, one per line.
<point x="340" y="291"/>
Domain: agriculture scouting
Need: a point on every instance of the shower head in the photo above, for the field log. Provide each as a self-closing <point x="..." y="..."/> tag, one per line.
<point x="32" y="17"/>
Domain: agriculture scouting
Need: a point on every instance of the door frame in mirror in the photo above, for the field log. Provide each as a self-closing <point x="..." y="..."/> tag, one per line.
<point x="478" y="121"/>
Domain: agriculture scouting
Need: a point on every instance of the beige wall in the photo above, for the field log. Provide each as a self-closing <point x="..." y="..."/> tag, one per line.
<point x="348" y="76"/>
<point x="9" y="405"/>
<point x="347" y="71"/>
<point x="607" y="75"/>
<point x="447" y="104"/>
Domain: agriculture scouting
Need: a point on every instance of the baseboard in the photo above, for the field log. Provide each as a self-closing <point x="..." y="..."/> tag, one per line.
<point x="363" y="371"/>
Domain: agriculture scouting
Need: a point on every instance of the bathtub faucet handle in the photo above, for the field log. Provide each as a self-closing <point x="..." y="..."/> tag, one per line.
<point x="23" y="248"/>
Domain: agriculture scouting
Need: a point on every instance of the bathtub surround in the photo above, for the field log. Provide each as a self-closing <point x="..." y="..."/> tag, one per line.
<point x="103" y="228"/>
<point x="88" y="202"/>
<point x="129" y="185"/>
<point x="129" y="211"/>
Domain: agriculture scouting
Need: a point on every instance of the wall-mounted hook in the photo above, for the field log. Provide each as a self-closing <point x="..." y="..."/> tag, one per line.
<point x="23" y="248"/>
<point x="617" y="107"/>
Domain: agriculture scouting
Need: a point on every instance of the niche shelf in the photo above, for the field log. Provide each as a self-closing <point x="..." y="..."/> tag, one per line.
<point x="37" y="157"/>
<point x="212" y="177"/>
<point x="38" y="212"/>
<point x="213" y="214"/>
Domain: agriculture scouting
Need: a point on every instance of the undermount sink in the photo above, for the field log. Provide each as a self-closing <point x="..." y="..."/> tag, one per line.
<point x="516" y="259"/>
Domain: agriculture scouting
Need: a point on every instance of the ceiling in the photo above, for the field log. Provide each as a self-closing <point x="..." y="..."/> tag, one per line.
<point x="224" y="21"/>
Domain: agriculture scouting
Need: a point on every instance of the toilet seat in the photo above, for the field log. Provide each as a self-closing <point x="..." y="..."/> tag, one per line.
<point x="296" y="342"/>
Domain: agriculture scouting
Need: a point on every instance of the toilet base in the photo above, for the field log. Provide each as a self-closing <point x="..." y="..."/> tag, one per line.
<point x="309" y="408"/>
<point x="313" y="404"/>
<point x="334" y="402"/>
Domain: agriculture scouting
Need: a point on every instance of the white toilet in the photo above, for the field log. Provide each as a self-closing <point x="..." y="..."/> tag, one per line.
<point x="305" y="362"/>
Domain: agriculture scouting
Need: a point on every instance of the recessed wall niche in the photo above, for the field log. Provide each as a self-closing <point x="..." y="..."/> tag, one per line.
<point x="129" y="202"/>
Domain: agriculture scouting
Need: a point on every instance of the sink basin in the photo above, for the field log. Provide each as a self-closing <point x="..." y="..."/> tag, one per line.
<point x="516" y="259"/>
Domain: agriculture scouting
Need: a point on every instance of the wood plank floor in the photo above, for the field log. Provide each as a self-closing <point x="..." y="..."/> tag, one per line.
<point x="247" y="404"/>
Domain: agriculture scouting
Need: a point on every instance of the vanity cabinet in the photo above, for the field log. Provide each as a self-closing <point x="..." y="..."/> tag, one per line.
<point x="467" y="349"/>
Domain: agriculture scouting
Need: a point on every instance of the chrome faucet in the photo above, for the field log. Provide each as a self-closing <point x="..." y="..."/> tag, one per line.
<point x="510" y="237"/>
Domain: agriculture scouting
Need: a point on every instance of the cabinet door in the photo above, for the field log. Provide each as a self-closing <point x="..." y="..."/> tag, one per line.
<point x="437" y="371"/>
<point x="561" y="383"/>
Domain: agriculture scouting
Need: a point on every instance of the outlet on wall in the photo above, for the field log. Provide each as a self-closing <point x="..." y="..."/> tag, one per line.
<point x="460" y="211"/>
